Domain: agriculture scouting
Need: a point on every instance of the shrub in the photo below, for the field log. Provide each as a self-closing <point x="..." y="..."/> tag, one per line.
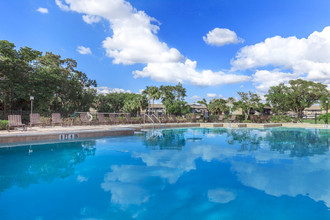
<point x="247" y="121"/>
<point x="281" y="118"/>
<point x="3" y="125"/>
<point x="324" y="117"/>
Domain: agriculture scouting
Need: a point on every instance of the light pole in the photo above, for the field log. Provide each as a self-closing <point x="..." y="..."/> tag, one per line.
<point x="326" y="109"/>
<point x="31" y="99"/>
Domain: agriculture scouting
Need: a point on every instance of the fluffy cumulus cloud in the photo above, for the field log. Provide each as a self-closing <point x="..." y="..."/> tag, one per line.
<point x="42" y="10"/>
<point x="291" y="57"/>
<point x="211" y="95"/>
<point x="84" y="50"/>
<point x="264" y="79"/>
<point x="134" y="40"/>
<point x="221" y="36"/>
<point x="195" y="98"/>
<point x="105" y="90"/>
<point x="186" y="71"/>
<point x="90" y="19"/>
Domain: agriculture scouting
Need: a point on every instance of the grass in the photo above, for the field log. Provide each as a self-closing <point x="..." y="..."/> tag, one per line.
<point x="312" y="121"/>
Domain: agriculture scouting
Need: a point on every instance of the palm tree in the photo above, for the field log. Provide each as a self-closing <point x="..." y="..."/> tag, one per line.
<point x="153" y="93"/>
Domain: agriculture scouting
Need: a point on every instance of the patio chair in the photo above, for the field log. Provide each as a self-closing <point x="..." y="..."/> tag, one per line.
<point x="84" y="118"/>
<point x="174" y="119"/>
<point x="113" y="119"/>
<point x="263" y="119"/>
<point x="15" y="121"/>
<point x="35" y="120"/>
<point x="166" y="119"/>
<point x="221" y="118"/>
<point x="193" y="118"/>
<point x="101" y="119"/>
<point x="56" y="119"/>
<point x="232" y="119"/>
<point x="129" y="119"/>
<point x="254" y="118"/>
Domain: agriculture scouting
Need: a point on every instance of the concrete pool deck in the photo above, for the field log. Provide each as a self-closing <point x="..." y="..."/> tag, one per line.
<point x="74" y="132"/>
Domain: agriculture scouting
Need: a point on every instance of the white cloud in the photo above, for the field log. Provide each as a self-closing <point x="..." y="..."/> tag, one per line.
<point x="180" y="72"/>
<point x="134" y="40"/>
<point x="221" y="36"/>
<point x="105" y="90"/>
<point x="84" y="50"/>
<point x="211" y="95"/>
<point x="43" y="10"/>
<point x="195" y="97"/>
<point x="220" y="195"/>
<point x="264" y="79"/>
<point x="90" y="19"/>
<point x="305" y="57"/>
<point x="81" y="179"/>
<point x="62" y="6"/>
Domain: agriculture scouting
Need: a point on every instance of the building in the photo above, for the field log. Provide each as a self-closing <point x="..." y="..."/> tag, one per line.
<point x="314" y="110"/>
<point x="197" y="108"/>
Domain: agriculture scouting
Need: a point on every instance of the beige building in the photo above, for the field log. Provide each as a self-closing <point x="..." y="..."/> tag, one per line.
<point x="314" y="110"/>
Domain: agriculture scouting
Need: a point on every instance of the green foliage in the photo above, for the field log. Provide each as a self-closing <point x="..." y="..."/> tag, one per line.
<point x="173" y="99"/>
<point x="121" y="102"/>
<point x="300" y="94"/>
<point x="55" y="83"/>
<point x="3" y="125"/>
<point x="281" y="118"/>
<point x="218" y="106"/>
<point x="324" y="117"/>
<point x="249" y="101"/>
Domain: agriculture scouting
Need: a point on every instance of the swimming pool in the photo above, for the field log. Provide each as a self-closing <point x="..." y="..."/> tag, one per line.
<point x="194" y="173"/>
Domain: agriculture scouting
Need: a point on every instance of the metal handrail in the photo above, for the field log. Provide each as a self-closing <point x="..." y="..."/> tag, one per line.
<point x="149" y="118"/>
<point x="157" y="118"/>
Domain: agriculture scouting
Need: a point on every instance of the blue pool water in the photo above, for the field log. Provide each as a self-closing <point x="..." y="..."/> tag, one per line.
<point x="190" y="173"/>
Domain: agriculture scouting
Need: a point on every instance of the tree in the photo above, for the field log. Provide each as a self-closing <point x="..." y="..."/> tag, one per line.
<point x="204" y="102"/>
<point x="249" y="101"/>
<point x="173" y="99"/>
<point x="153" y="93"/>
<point x="297" y="96"/>
<point x="217" y="106"/>
<point x="55" y="83"/>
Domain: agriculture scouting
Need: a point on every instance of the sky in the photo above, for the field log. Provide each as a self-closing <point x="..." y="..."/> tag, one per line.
<point x="215" y="48"/>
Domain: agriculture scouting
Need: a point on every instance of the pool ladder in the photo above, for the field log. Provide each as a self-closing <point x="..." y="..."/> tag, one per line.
<point x="153" y="116"/>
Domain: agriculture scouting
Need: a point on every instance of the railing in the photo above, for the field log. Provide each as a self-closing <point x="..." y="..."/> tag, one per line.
<point x="152" y="120"/>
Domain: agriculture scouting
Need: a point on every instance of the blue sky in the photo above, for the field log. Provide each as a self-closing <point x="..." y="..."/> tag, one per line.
<point x="214" y="47"/>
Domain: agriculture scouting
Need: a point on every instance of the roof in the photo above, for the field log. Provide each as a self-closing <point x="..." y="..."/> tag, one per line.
<point x="313" y="108"/>
<point x="197" y="106"/>
<point x="157" y="106"/>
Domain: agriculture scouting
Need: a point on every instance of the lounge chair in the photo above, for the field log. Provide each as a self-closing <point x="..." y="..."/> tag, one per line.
<point x="84" y="119"/>
<point x="193" y="118"/>
<point x="129" y="119"/>
<point x="221" y="118"/>
<point x="56" y="119"/>
<point x="174" y="119"/>
<point x="254" y="118"/>
<point x="166" y="119"/>
<point x="35" y="120"/>
<point x="232" y="119"/>
<point x="15" y="121"/>
<point x="113" y="119"/>
<point x="263" y="119"/>
<point x="101" y="119"/>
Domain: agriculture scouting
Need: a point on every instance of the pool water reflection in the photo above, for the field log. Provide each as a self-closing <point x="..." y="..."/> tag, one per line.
<point x="192" y="173"/>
